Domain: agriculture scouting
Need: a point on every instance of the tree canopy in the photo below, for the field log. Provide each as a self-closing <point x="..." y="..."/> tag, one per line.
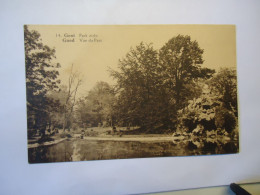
<point x="155" y="90"/>
<point x="97" y="107"/>
<point x="41" y="76"/>
<point x="154" y="85"/>
<point x="138" y="85"/>
<point x="180" y="64"/>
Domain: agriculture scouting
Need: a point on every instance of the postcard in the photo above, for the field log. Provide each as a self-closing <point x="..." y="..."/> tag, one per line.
<point x="97" y="92"/>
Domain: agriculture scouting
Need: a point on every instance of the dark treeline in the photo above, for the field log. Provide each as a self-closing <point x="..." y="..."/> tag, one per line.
<point x="154" y="85"/>
<point x="157" y="91"/>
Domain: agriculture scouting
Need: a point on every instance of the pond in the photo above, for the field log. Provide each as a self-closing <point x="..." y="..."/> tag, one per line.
<point x="81" y="150"/>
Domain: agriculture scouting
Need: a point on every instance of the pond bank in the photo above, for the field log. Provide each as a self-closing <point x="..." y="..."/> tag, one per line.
<point x="142" y="139"/>
<point x="48" y="143"/>
<point x="106" y="138"/>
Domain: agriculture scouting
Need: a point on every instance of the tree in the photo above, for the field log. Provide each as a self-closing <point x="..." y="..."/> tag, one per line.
<point x="224" y="84"/>
<point x="101" y="97"/>
<point x="137" y="86"/>
<point x="180" y="63"/>
<point x="215" y="108"/>
<point x="153" y="86"/>
<point x="41" y="76"/>
<point x="70" y="97"/>
<point x="55" y="107"/>
<point x="97" y="107"/>
<point x="199" y="112"/>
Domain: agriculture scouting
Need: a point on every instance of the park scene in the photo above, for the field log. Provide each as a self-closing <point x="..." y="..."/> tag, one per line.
<point x="146" y="91"/>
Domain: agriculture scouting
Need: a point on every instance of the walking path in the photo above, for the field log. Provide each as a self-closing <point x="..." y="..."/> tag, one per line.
<point x="142" y="139"/>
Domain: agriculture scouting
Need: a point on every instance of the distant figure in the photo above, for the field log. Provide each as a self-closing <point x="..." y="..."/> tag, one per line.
<point x="114" y="129"/>
<point x="82" y="133"/>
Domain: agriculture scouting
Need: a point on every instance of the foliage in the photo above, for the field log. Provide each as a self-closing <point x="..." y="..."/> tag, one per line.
<point x="153" y="86"/>
<point x="224" y="85"/>
<point x="155" y="90"/>
<point x="97" y="107"/>
<point x="180" y="62"/>
<point x="199" y="111"/>
<point x="41" y="76"/>
<point x="57" y="100"/>
<point x="138" y="84"/>
<point x="65" y="135"/>
<point x="225" y="119"/>
<point x="216" y="108"/>
<point x="70" y="98"/>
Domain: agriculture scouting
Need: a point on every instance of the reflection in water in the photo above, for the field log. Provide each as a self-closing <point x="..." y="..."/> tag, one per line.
<point x="213" y="146"/>
<point x="79" y="150"/>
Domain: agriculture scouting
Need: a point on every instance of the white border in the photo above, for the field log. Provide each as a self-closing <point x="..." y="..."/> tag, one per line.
<point x="133" y="175"/>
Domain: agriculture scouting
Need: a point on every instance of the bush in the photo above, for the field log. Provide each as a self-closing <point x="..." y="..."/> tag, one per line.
<point x="65" y="135"/>
<point x="225" y="119"/>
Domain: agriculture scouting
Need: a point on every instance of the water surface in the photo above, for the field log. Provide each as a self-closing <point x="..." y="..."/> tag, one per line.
<point x="81" y="150"/>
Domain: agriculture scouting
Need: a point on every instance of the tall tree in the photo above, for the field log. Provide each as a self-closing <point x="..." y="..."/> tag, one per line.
<point x="70" y="99"/>
<point x="180" y="63"/>
<point x="153" y="86"/>
<point x="137" y="83"/>
<point x="41" y="76"/>
<point x="56" y="105"/>
<point x="224" y="84"/>
<point x="98" y="106"/>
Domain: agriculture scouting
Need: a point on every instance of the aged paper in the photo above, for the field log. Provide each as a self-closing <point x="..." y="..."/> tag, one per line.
<point x="98" y="92"/>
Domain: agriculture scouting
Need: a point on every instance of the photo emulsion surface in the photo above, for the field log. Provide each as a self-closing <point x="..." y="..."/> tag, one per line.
<point x="98" y="92"/>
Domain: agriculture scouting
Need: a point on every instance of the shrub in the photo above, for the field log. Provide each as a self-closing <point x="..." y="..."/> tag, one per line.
<point x="65" y="135"/>
<point x="225" y="119"/>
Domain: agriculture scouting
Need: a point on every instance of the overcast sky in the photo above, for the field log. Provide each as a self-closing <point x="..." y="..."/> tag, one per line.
<point x="92" y="59"/>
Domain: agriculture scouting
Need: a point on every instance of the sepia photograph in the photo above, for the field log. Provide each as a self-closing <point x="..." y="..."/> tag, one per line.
<point x="97" y="92"/>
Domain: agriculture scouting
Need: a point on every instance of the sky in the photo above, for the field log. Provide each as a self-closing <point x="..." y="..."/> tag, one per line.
<point x="98" y="47"/>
